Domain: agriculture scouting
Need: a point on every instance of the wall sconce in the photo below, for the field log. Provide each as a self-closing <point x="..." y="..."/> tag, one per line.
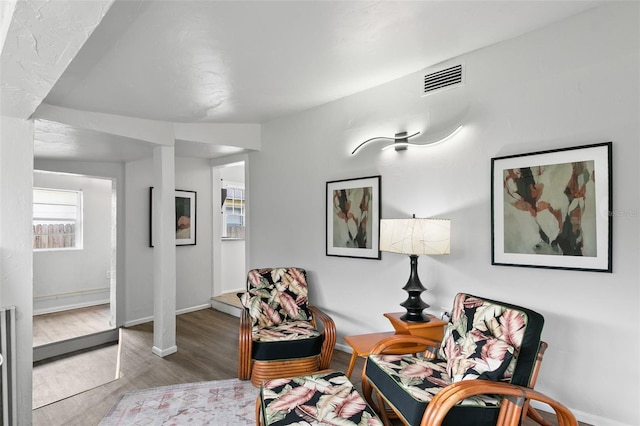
<point x="415" y="237"/>
<point x="401" y="141"/>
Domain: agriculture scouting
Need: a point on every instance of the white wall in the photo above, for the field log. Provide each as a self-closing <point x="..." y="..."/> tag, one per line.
<point x="571" y="84"/>
<point x="193" y="263"/>
<point x="68" y="279"/>
<point x="234" y="273"/>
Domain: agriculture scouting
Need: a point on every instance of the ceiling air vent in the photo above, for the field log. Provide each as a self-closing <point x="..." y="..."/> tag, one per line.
<point x="443" y="79"/>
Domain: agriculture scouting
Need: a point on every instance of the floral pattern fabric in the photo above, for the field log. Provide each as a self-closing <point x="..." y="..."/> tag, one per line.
<point x="482" y="341"/>
<point x="502" y="326"/>
<point x="291" y="330"/>
<point x="318" y="399"/>
<point x="422" y="379"/>
<point x="276" y="299"/>
<point x="479" y="357"/>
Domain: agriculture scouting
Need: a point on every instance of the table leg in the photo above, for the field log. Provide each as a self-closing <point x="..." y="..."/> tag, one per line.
<point x="352" y="363"/>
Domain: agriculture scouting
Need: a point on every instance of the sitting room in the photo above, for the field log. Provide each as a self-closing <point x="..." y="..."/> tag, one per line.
<point x="402" y="154"/>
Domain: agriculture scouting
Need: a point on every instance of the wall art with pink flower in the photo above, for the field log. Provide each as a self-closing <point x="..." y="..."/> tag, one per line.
<point x="552" y="209"/>
<point x="353" y="217"/>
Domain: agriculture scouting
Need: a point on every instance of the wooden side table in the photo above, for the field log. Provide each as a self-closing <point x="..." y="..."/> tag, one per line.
<point x="362" y="345"/>
<point x="434" y="329"/>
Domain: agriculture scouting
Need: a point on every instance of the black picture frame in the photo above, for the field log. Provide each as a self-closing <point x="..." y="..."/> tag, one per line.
<point x="186" y="217"/>
<point x="350" y="230"/>
<point x="552" y="209"/>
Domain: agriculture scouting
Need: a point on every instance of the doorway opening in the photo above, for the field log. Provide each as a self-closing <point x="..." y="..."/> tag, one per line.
<point x="229" y="236"/>
<point x="74" y="285"/>
<point x="74" y="281"/>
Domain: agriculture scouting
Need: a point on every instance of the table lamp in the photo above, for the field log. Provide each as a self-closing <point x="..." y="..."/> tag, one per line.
<point x="415" y="237"/>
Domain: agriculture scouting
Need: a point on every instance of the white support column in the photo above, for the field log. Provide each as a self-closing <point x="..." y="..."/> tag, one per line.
<point x="16" y="253"/>
<point x="164" y="252"/>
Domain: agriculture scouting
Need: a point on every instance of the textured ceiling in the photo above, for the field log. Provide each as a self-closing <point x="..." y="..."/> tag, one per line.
<point x="253" y="61"/>
<point x="231" y="61"/>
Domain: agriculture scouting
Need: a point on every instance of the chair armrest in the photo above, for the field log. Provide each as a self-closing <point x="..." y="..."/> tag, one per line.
<point x="245" y="342"/>
<point x="514" y="398"/>
<point x="329" y="335"/>
<point x="401" y="344"/>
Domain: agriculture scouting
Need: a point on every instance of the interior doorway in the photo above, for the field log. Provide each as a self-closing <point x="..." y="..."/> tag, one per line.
<point x="230" y="234"/>
<point x="74" y="282"/>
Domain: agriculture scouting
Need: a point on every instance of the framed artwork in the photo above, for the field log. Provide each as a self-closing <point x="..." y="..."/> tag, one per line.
<point x="185" y="221"/>
<point x="353" y="217"/>
<point x="552" y="209"/>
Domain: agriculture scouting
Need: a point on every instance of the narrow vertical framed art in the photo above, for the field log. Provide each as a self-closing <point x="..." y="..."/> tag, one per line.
<point x="552" y="209"/>
<point x="185" y="221"/>
<point x="353" y="217"/>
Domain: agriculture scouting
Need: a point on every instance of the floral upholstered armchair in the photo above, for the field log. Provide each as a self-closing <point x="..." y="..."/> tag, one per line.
<point x="281" y="335"/>
<point x="485" y="342"/>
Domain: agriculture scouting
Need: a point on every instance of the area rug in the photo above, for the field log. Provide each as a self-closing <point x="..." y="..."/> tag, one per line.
<point x="220" y="403"/>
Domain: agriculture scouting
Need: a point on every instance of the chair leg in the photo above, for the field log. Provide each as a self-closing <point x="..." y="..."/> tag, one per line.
<point x="383" y="410"/>
<point x="536" y="417"/>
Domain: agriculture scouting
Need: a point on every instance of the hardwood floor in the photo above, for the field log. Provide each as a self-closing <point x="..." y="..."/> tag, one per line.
<point x="207" y="343"/>
<point x="57" y="326"/>
<point x="64" y="376"/>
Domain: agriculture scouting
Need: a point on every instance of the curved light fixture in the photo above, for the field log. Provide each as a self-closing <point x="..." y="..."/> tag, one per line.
<point x="401" y="141"/>
<point x="404" y="145"/>
<point x="398" y="137"/>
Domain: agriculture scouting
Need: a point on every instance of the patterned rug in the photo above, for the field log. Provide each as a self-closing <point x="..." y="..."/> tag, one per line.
<point x="220" y="403"/>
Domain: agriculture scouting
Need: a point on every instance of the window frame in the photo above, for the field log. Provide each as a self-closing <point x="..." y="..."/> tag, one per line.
<point x="77" y="221"/>
<point x="234" y="186"/>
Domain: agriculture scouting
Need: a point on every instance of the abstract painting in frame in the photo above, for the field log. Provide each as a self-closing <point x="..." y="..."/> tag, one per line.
<point x="353" y="217"/>
<point x="552" y="209"/>
<point x="185" y="221"/>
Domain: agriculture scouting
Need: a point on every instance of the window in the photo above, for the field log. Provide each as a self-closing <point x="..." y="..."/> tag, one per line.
<point x="57" y="219"/>
<point x="233" y="210"/>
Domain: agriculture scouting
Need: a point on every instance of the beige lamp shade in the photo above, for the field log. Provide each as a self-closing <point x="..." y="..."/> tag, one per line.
<point x="415" y="236"/>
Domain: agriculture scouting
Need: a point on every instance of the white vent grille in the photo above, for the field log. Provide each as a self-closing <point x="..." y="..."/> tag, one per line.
<point x="443" y="79"/>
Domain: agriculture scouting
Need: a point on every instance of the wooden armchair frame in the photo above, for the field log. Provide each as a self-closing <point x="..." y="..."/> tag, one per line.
<point x="258" y="371"/>
<point x="510" y="409"/>
<point x="514" y="402"/>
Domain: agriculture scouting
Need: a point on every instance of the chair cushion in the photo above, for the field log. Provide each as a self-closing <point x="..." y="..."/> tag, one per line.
<point x="518" y="327"/>
<point x="272" y="351"/>
<point x="293" y="339"/>
<point x="409" y="383"/>
<point x="290" y="330"/>
<point x="276" y="295"/>
<point x="480" y="357"/>
<point x="324" y="398"/>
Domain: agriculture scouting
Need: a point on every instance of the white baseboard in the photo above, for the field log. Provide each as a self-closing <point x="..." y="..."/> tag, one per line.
<point x="164" y="352"/>
<point x="178" y="312"/>
<point x="344" y="348"/>
<point x="193" y="309"/>
<point x="50" y="310"/>
<point x="138" y="321"/>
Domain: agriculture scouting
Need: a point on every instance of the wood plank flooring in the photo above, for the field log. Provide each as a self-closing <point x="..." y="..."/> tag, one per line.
<point x="207" y="343"/>
<point x="64" y="376"/>
<point x="57" y="326"/>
